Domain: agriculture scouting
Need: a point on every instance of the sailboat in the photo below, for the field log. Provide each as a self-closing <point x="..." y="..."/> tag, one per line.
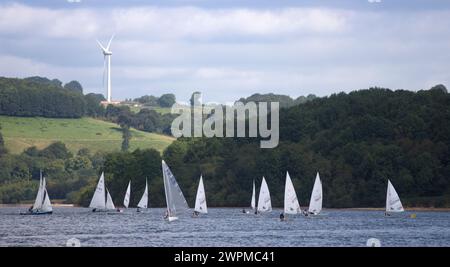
<point x="109" y="201"/>
<point x="315" y="203"/>
<point x="291" y="205"/>
<point x="264" y="202"/>
<point x="98" y="202"/>
<point x="126" y="199"/>
<point x="143" y="203"/>
<point x="253" y="202"/>
<point x="200" y="200"/>
<point x="176" y="203"/>
<point x="393" y="203"/>
<point x="42" y="204"/>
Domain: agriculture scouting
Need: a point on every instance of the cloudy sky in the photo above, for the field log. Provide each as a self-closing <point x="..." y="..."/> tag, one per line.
<point x="228" y="49"/>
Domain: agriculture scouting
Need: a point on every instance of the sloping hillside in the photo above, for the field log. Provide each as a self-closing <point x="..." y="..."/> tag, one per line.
<point x="96" y="135"/>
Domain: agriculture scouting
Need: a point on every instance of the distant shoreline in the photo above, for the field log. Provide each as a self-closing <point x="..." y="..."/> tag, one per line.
<point x="27" y="205"/>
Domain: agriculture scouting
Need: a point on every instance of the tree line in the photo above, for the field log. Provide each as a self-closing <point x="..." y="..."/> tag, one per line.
<point x="66" y="173"/>
<point x="36" y="97"/>
<point x="355" y="140"/>
<point x="165" y="100"/>
<point x="40" y="96"/>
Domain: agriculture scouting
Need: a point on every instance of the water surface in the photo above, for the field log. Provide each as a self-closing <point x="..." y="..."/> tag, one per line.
<point x="222" y="227"/>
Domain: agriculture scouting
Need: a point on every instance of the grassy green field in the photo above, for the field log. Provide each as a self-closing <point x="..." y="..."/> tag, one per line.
<point x="96" y="135"/>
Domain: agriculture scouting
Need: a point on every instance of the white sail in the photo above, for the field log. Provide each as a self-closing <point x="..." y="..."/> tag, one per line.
<point x="176" y="203"/>
<point x="264" y="202"/>
<point x="143" y="203"/>
<point x="126" y="200"/>
<point x="46" y="204"/>
<point x="315" y="203"/>
<point x="200" y="200"/>
<point x="98" y="200"/>
<point x="393" y="203"/>
<point x="291" y="205"/>
<point x="109" y="202"/>
<point x="253" y="203"/>
<point x="39" y="196"/>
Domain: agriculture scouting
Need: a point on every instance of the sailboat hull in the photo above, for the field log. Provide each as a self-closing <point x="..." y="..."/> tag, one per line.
<point x="100" y="210"/>
<point x="171" y="219"/>
<point x="393" y="214"/>
<point x="37" y="213"/>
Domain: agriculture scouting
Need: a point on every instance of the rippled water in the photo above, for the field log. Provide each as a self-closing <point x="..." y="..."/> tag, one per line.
<point x="222" y="227"/>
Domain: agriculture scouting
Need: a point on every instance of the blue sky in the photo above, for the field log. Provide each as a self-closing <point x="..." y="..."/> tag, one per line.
<point x="229" y="49"/>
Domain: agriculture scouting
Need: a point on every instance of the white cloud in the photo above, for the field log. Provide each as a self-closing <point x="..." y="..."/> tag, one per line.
<point x="17" y="19"/>
<point x="190" y="22"/>
<point x="167" y="23"/>
<point x="228" y="53"/>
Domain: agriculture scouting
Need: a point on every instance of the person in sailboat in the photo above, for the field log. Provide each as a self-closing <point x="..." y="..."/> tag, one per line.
<point x="305" y="213"/>
<point x="282" y="216"/>
<point x="166" y="214"/>
<point x="195" y="213"/>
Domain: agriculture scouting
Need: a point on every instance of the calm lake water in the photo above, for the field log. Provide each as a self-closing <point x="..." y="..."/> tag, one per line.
<point x="222" y="227"/>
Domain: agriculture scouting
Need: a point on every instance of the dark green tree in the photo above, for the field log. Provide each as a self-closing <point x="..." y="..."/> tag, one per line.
<point x="74" y="86"/>
<point x="166" y="100"/>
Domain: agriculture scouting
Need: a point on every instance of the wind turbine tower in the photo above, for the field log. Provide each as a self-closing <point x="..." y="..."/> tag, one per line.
<point x="107" y="66"/>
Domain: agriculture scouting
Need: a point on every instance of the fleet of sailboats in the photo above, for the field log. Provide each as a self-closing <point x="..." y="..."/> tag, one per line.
<point x="144" y="199"/>
<point x="177" y="204"/>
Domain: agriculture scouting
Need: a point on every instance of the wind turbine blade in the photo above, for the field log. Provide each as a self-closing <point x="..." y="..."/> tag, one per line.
<point x="109" y="43"/>
<point x="101" y="46"/>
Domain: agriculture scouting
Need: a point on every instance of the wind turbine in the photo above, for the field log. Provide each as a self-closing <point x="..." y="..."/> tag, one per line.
<point x="107" y="63"/>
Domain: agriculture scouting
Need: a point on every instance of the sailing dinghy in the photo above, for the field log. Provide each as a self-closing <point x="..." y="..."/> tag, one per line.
<point x="126" y="199"/>
<point x="253" y="202"/>
<point x="176" y="203"/>
<point x="42" y="204"/>
<point x="143" y="203"/>
<point x="101" y="201"/>
<point x="315" y="203"/>
<point x="200" y="200"/>
<point x="264" y="202"/>
<point x="291" y="205"/>
<point x="393" y="203"/>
